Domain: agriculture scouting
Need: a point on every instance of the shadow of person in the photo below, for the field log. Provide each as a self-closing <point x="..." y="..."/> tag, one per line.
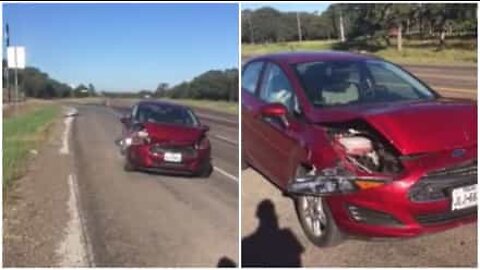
<point x="226" y="262"/>
<point x="270" y="246"/>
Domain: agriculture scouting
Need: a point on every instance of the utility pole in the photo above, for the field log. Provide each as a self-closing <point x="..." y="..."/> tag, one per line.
<point x="299" y="27"/>
<point x="7" y="74"/>
<point x="16" y="75"/>
<point x="342" y="30"/>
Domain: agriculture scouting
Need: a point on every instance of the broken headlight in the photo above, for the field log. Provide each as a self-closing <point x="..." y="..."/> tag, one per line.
<point x="332" y="181"/>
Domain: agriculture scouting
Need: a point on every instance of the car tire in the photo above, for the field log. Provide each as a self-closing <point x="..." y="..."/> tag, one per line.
<point x="325" y="233"/>
<point x="128" y="166"/>
<point x="205" y="171"/>
<point x="244" y="164"/>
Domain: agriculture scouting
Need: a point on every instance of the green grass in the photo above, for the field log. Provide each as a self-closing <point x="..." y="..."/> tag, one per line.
<point x="258" y="49"/>
<point x="220" y="106"/>
<point x="457" y="51"/>
<point x="22" y="133"/>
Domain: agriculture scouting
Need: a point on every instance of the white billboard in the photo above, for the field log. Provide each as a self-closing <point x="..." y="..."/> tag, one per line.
<point x="16" y="57"/>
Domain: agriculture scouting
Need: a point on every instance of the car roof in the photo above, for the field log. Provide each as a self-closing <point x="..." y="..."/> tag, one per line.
<point x="301" y="57"/>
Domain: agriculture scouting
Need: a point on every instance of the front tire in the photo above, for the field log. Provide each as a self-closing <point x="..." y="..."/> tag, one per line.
<point x="317" y="220"/>
<point x="244" y="164"/>
<point x="205" y="171"/>
<point x="128" y="166"/>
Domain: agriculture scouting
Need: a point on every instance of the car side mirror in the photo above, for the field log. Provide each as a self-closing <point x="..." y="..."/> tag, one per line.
<point x="125" y="119"/>
<point x="275" y="110"/>
<point x="204" y="128"/>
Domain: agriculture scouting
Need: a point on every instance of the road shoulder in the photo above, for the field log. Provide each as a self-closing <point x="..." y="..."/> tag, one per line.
<point x="34" y="208"/>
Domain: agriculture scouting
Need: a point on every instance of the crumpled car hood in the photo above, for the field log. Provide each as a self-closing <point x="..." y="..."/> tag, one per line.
<point x="173" y="134"/>
<point x="413" y="127"/>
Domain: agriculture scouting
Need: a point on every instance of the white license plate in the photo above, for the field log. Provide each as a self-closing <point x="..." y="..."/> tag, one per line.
<point x="172" y="157"/>
<point x="464" y="197"/>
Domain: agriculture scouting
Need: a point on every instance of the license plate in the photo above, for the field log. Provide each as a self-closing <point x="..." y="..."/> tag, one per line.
<point x="464" y="197"/>
<point x="172" y="157"/>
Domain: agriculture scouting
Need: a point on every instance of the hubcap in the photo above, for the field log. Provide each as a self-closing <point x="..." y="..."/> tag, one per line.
<point x="314" y="215"/>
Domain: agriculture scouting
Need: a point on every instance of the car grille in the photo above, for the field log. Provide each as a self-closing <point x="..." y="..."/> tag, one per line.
<point x="468" y="169"/>
<point x="437" y="185"/>
<point x="438" y="218"/>
<point x="185" y="150"/>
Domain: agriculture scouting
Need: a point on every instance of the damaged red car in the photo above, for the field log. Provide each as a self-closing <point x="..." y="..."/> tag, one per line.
<point x="166" y="138"/>
<point x="362" y="146"/>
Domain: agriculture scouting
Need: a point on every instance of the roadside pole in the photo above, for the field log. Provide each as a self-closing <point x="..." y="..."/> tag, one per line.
<point x="16" y="77"/>
<point x="7" y="73"/>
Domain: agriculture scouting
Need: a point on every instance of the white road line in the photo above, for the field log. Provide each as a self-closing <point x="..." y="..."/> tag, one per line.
<point x="66" y="132"/>
<point x="73" y="249"/>
<point x="233" y="177"/>
<point x="223" y="138"/>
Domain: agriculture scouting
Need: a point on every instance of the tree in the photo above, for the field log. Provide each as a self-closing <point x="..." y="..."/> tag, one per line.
<point x="211" y="85"/>
<point x="91" y="89"/>
<point x="161" y="90"/>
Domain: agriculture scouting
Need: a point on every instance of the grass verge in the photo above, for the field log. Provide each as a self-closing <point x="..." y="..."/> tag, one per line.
<point x="457" y="51"/>
<point x="21" y="133"/>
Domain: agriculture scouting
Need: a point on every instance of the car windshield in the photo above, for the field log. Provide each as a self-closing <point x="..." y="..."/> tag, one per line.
<point x="335" y="83"/>
<point x="166" y="114"/>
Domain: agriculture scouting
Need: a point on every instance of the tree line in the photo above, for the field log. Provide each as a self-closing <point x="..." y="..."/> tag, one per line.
<point x="211" y="85"/>
<point x="351" y="21"/>
<point x="34" y="83"/>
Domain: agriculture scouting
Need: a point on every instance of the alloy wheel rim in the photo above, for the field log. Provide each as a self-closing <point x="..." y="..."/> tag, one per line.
<point x="314" y="214"/>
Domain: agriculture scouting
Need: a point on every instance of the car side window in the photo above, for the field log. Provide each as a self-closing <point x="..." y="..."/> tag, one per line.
<point x="251" y="75"/>
<point x="391" y="83"/>
<point x="276" y="88"/>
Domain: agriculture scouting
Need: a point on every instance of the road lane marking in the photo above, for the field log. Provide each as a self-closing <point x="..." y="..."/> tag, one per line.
<point x="223" y="138"/>
<point x="65" y="150"/>
<point x="74" y="249"/>
<point x="233" y="177"/>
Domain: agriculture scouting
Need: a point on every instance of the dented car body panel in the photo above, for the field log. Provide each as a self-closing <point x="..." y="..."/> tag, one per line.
<point x="421" y="149"/>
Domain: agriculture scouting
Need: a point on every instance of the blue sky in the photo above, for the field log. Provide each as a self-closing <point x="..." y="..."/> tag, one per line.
<point x="125" y="47"/>
<point x="308" y="7"/>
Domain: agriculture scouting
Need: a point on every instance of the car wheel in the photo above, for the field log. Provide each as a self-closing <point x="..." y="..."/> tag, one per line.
<point x="244" y="163"/>
<point x="205" y="171"/>
<point x="128" y="166"/>
<point x="316" y="220"/>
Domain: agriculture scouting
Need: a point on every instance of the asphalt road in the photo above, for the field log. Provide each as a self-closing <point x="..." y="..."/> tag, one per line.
<point x="451" y="81"/>
<point x="140" y="219"/>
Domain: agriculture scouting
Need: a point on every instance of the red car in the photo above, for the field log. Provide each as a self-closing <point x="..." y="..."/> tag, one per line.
<point x="166" y="138"/>
<point x="362" y="146"/>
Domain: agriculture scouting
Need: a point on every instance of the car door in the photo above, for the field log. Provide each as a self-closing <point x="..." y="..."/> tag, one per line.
<point x="251" y="75"/>
<point x="276" y="143"/>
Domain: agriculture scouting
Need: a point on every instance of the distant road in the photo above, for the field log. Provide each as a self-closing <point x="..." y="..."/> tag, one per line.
<point x="452" y="81"/>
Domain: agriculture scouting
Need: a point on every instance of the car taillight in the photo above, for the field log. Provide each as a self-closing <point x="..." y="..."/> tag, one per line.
<point x="202" y="144"/>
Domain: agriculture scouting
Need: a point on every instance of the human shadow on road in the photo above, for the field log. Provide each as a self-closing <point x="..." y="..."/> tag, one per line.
<point x="226" y="262"/>
<point x="269" y="245"/>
